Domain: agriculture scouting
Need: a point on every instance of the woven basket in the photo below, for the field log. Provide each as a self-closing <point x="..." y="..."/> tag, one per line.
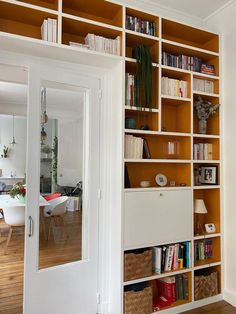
<point x="138" y="265"/>
<point x="205" y="286"/>
<point x="138" y="302"/>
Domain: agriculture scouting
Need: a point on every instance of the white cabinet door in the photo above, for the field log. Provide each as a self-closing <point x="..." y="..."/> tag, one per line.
<point x="155" y="217"/>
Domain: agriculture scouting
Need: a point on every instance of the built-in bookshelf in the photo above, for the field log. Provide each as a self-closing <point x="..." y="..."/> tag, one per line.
<point x="170" y="129"/>
<point x="174" y="146"/>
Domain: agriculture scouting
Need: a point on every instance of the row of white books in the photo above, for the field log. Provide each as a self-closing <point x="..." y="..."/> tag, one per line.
<point x="172" y="87"/>
<point x="49" y="30"/>
<point x="102" y="44"/>
<point x="205" y="86"/>
<point x="133" y="147"/>
<point x="202" y="151"/>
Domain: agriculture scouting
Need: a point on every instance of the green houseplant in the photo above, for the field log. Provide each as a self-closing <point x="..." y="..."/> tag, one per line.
<point x="143" y="77"/>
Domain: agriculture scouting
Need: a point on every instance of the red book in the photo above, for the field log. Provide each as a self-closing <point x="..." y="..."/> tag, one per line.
<point x="167" y="288"/>
<point x="160" y="303"/>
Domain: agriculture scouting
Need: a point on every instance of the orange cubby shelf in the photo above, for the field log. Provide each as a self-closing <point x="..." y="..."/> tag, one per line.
<point x="212" y="245"/>
<point x="178" y="172"/>
<point x="144" y="16"/>
<point x="131" y="68"/>
<point x="176" y="116"/>
<point x="197" y="172"/>
<point x="188" y="35"/>
<point x="212" y="202"/>
<point x="96" y="10"/>
<point x="177" y="75"/>
<point x="21" y="20"/>
<point x="158" y="146"/>
<point x="133" y="40"/>
<point x="143" y="118"/>
<point x="76" y="31"/>
<point x="215" y="146"/>
<point x="49" y="4"/>
<point x="206" y="57"/>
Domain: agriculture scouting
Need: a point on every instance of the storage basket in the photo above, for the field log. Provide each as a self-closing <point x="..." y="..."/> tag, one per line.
<point x="137" y="265"/>
<point x="205" y="285"/>
<point x="138" y="302"/>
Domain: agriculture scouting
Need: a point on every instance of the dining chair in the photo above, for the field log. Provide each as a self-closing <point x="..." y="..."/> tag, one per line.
<point x="55" y="211"/>
<point x="14" y="217"/>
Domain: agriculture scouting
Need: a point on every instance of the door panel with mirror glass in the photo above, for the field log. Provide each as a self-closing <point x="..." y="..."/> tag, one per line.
<point x="61" y="176"/>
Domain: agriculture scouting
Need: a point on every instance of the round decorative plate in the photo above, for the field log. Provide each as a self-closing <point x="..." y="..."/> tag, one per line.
<point x="161" y="179"/>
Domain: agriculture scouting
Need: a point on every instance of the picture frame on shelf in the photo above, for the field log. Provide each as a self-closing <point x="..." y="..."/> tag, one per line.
<point x="208" y="175"/>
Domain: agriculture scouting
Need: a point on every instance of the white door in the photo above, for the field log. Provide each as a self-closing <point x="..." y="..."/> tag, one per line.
<point x="61" y="261"/>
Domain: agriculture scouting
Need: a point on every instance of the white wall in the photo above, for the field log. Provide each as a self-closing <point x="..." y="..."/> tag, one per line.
<point x="17" y="153"/>
<point x="224" y="22"/>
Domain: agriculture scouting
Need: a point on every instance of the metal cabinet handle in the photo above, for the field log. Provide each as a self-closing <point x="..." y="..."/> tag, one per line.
<point x="31" y="226"/>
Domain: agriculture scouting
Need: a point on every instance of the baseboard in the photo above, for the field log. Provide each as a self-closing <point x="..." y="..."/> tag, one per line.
<point x="230" y="297"/>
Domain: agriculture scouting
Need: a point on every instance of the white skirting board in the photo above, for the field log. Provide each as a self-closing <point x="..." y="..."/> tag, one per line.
<point x="230" y="297"/>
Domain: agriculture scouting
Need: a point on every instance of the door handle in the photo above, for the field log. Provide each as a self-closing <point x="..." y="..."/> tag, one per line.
<point x="31" y="227"/>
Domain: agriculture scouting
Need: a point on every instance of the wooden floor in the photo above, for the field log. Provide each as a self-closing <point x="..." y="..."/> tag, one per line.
<point x="215" y="308"/>
<point x="58" y="250"/>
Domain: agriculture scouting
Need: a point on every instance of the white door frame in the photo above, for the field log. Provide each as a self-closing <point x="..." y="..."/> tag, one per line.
<point x="110" y="229"/>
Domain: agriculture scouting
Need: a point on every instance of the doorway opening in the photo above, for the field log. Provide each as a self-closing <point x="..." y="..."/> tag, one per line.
<point x="13" y="143"/>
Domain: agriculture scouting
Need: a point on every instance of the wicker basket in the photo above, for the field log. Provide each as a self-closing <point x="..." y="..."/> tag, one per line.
<point x="205" y="285"/>
<point x="138" y="302"/>
<point x="138" y="265"/>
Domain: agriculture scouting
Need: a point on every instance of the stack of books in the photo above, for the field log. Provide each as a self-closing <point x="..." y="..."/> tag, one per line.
<point x="139" y="25"/>
<point x="170" y="290"/>
<point x="203" y="250"/>
<point x="133" y="147"/>
<point x="172" y="87"/>
<point x="171" y="257"/>
<point x="49" y="30"/>
<point x="208" y="69"/>
<point x="202" y="151"/>
<point x="182" y="62"/>
<point x="102" y="44"/>
<point x="205" y="86"/>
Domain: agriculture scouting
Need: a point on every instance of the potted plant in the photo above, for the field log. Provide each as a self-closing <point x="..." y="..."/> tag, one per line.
<point x="18" y="191"/>
<point x="204" y="110"/>
<point x="5" y="152"/>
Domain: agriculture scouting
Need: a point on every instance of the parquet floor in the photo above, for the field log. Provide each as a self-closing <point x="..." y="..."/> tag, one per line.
<point x="221" y="307"/>
<point x="53" y="252"/>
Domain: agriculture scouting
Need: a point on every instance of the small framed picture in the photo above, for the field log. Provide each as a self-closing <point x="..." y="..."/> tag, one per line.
<point x="208" y="175"/>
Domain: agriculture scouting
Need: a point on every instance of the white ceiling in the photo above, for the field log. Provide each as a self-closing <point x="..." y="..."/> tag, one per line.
<point x="59" y="102"/>
<point x="197" y="8"/>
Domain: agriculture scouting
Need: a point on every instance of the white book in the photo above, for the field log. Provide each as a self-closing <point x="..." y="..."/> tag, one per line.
<point x="50" y="30"/>
<point x="201" y="151"/>
<point x="54" y="31"/>
<point x="176" y="256"/>
<point x="156" y="266"/>
<point x="169" y="257"/>
<point x="44" y="30"/>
